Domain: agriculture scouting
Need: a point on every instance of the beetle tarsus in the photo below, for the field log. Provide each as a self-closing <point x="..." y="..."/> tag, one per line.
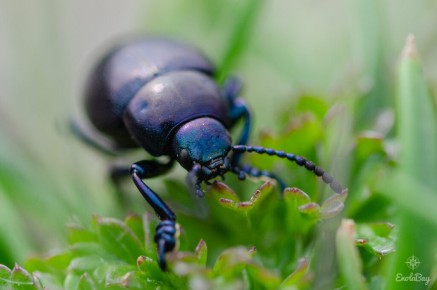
<point x="165" y="240"/>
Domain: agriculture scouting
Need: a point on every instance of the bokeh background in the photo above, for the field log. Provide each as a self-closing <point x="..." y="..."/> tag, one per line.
<point x="47" y="48"/>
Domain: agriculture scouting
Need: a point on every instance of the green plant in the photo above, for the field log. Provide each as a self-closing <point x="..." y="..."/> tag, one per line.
<point x="379" y="139"/>
<point x="285" y="233"/>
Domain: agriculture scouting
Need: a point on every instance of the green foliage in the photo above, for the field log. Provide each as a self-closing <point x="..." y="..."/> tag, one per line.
<point x="282" y="233"/>
<point x="114" y="254"/>
<point x="254" y="237"/>
<point x="376" y="138"/>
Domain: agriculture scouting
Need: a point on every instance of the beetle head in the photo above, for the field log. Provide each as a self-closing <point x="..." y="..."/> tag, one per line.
<point x="201" y="146"/>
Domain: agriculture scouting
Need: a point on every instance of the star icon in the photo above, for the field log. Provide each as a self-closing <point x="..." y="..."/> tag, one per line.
<point x="412" y="262"/>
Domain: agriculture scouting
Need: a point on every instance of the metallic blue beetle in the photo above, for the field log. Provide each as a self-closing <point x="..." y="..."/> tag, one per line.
<point x="160" y="95"/>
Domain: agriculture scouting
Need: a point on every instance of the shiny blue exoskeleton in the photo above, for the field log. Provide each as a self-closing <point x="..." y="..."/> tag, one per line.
<point x="161" y="95"/>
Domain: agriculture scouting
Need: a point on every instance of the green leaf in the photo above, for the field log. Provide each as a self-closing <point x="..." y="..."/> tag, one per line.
<point x="14" y="244"/>
<point x="117" y="275"/>
<point x="78" y="234"/>
<point x="348" y="257"/>
<point x="150" y="266"/>
<point x="298" y="278"/>
<point x="416" y="121"/>
<point x="117" y="238"/>
<point x="413" y="196"/>
<point x="376" y="238"/>
<point x="333" y="205"/>
<point x="89" y="249"/>
<point x="313" y="104"/>
<point x="85" y="264"/>
<point x="227" y="198"/>
<point x="37" y="264"/>
<point x="262" y="277"/>
<point x="5" y="276"/>
<point x="135" y="223"/>
<point x="202" y="252"/>
<point x="59" y="260"/>
<point x="367" y="144"/>
<point x="222" y="191"/>
<point x="188" y="264"/>
<point x="376" y="229"/>
<point x="21" y="279"/>
<point x="301" y="212"/>
<point x="312" y="209"/>
<point x="49" y="281"/>
<point x="176" y="259"/>
<point x="53" y="267"/>
<point x="296" y="197"/>
<point x="86" y="283"/>
<point x="71" y="281"/>
<point x="232" y="261"/>
<point x="377" y="246"/>
<point x="138" y="280"/>
<point x="299" y="137"/>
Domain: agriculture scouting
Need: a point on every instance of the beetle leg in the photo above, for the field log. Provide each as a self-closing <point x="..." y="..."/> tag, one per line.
<point x="166" y="229"/>
<point x="232" y="88"/>
<point x="93" y="139"/>
<point x="237" y="110"/>
<point x="241" y="111"/>
<point x="255" y="172"/>
<point x="118" y="172"/>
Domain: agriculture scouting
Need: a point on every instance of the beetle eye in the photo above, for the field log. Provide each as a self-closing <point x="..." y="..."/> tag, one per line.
<point x="184" y="159"/>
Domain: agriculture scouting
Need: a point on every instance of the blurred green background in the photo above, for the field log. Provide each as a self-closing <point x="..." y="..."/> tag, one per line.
<point x="346" y="51"/>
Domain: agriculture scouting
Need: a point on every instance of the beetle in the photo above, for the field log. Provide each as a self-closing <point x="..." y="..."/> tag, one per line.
<point x="160" y="95"/>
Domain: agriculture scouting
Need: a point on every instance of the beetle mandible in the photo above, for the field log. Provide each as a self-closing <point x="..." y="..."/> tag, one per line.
<point x="160" y="94"/>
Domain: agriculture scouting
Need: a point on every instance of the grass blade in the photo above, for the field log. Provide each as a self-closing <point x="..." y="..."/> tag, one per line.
<point x="239" y="37"/>
<point x="348" y="257"/>
<point x="417" y="135"/>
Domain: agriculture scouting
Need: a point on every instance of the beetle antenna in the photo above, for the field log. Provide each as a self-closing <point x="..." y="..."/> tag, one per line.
<point x="299" y="160"/>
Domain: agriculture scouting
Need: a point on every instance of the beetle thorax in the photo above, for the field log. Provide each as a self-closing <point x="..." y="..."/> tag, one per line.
<point x="203" y="144"/>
